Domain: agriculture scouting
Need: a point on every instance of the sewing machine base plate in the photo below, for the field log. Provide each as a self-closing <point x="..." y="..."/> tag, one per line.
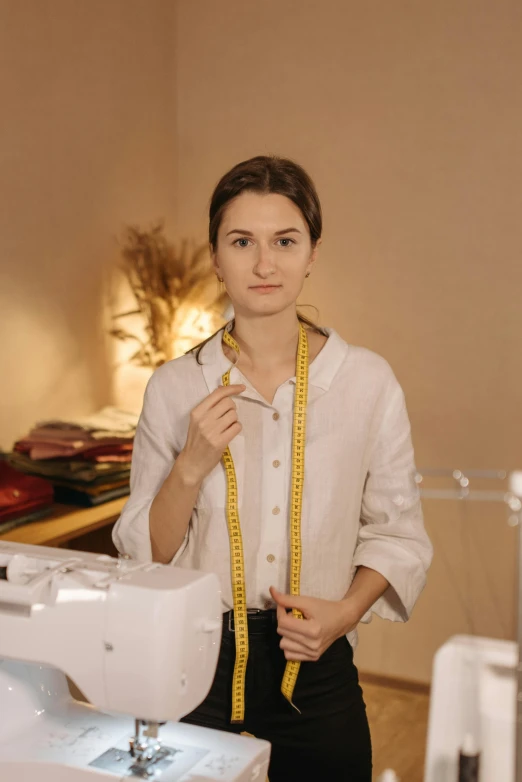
<point x="179" y="760"/>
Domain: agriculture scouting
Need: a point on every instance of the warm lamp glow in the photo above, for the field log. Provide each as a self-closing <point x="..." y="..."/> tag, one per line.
<point x="193" y="325"/>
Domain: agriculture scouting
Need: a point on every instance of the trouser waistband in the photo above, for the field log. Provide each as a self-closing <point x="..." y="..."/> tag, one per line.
<point x="259" y="621"/>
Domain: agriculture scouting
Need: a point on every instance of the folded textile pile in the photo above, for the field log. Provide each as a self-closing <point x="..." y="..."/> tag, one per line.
<point x="87" y="459"/>
<point x="23" y="497"/>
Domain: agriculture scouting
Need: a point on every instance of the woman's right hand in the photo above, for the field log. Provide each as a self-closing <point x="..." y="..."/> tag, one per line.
<point x="213" y="424"/>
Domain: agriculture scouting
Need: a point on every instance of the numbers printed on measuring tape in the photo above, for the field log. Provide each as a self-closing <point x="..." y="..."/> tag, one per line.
<point x="237" y="564"/>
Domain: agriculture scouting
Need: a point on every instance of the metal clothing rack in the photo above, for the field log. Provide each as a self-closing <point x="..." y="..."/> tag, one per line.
<point x="512" y="498"/>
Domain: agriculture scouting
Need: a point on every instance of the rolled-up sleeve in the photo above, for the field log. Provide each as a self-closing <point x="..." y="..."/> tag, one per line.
<point x="152" y="459"/>
<point x="392" y="539"/>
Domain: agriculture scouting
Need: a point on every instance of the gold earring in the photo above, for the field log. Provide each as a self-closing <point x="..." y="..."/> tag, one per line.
<point x="307" y="274"/>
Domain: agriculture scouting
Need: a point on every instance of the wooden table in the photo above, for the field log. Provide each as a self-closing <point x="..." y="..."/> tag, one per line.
<point x="66" y="523"/>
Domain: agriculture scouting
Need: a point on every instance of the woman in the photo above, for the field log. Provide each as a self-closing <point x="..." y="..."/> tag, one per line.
<point x="217" y="440"/>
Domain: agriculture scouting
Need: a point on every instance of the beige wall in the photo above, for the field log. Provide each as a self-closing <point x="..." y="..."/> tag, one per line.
<point x="408" y="116"/>
<point x="88" y="136"/>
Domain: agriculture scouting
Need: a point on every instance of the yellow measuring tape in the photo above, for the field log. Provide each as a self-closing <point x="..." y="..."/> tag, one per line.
<point x="234" y="532"/>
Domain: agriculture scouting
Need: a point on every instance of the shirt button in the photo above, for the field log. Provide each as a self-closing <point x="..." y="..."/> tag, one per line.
<point x="276" y="463"/>
<point x="276" y="511"/>
<point x="270" y="558"/>
<point x="276" y="416"/>
<point x="16" y="493"/>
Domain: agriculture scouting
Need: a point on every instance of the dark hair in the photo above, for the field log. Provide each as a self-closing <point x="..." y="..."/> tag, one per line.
<point x="266" y="174"/>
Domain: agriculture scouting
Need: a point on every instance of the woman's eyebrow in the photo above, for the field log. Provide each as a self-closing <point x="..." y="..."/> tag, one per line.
<point x="277" y="233"/>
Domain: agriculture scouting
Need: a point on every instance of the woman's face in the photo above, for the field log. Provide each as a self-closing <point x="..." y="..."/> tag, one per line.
<point x="263" y="253"/>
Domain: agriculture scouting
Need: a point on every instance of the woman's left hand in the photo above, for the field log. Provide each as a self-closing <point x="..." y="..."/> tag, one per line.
<point x="324" y="621"/>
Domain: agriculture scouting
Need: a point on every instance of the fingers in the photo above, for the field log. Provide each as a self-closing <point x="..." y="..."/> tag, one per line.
<point x="226" y="420"/>
<point x="291" y="601"/>
<point x="229" y="427"/>
<point x="297" y="657"/>
<point x="281" y="613"/>
<point x="289" y="624"/>
<point x="214" y="425"/>
<point x="302" y="630"/>
<point x="222" y="392"/>
<point x="286" y="620"/>
<point x="298" y="652"/>
<point x="297" y="630"/>
<point x="231" y="432"/>
<point x="292" y="635"/>
<point x="222" y="407"/>
<point x="301" y="639"/>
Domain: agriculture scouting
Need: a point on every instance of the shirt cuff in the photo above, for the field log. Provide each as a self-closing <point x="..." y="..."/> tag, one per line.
<point x="181" y="550"/>
<point x="131" y="536"/>
<point x="404" y="572"/>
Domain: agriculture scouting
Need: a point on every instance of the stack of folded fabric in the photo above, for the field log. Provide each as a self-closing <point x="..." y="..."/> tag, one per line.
<point x="23" y="497"/>
<point x="87" y="459"/>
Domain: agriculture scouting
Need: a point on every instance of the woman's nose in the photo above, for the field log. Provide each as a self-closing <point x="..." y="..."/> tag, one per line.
<point x="264" y="265"/>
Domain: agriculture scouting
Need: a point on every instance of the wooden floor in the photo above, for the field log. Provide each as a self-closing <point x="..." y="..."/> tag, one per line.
<point x="398" y="720"/>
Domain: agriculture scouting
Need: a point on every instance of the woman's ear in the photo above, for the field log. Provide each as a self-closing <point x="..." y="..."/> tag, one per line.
<point x="313" y="256"/>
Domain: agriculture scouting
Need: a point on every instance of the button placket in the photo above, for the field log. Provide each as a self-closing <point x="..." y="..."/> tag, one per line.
<point x="278" y="433"/>
<point x="272" y="533"/>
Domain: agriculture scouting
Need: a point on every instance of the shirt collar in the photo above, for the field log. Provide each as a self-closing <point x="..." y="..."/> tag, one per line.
<point x="322" y="370"/>
<point x="327" y="363"/>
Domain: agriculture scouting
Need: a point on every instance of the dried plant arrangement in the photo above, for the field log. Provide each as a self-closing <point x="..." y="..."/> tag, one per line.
<point x="171" y="285"/>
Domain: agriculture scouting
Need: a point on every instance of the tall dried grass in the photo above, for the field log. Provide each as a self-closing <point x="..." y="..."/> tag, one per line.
<point x="163" y="278"/>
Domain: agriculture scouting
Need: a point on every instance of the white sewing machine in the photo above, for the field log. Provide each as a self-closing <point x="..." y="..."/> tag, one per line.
<point x="137" y="639"/>
<point x="474" y="692"/>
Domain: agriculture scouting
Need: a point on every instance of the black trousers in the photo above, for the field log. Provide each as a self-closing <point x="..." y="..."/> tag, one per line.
<point x="329" y="741"/>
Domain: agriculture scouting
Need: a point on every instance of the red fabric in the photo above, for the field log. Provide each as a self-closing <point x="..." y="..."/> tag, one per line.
<point x="20" y="493"/>
<point x="82" y="449"/>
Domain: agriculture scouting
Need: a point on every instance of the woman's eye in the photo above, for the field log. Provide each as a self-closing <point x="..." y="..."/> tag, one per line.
<point x="286" y="242"/>
<point x="242" y="242"/>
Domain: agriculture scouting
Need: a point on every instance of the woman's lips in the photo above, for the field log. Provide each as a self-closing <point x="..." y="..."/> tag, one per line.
<point x="264" y="288"/>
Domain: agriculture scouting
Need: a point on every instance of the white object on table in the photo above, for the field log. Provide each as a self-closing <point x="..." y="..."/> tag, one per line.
<point x="141" y="641"/>
<point x="473" y="692"/>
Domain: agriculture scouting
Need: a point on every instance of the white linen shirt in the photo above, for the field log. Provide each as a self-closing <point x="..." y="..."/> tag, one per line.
<point x="361" y="504"/>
